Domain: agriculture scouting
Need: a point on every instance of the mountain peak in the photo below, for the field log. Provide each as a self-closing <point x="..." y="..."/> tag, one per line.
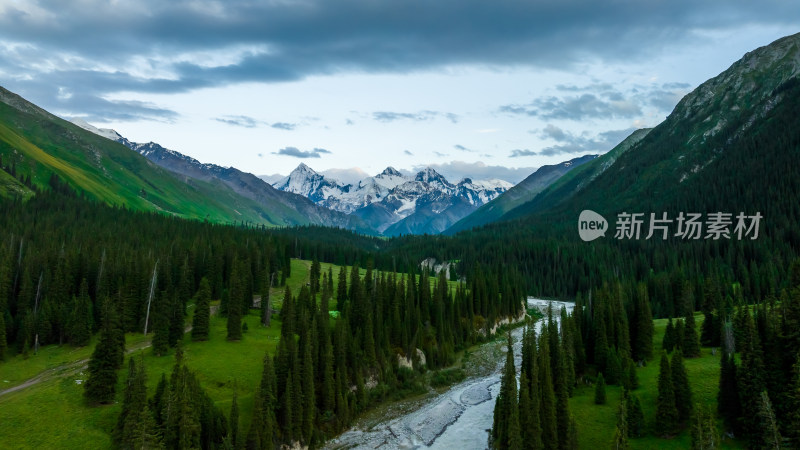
<point x="302" y="167"/>
<point x="391" y="171"/>
<point x="428" y="175"/>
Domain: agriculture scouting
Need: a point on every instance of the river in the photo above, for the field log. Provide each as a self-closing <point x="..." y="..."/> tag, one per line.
<point x="458" y="418"/>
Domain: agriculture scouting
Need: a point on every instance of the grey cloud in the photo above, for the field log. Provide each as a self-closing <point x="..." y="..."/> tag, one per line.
<point x="239" y="121"/>
<point x="297" y="153"/>
<point x="517" y="153"/>
<point x="389" y="116"/>
<point x="153" y="46"/>
<point x="601" y="101"/>
<point x="284" y="126"/>
<point x="440" y="154"/>
<point x="408" y="153"/>
<point x="462" y="148"/>
<point x="569" y="143"/>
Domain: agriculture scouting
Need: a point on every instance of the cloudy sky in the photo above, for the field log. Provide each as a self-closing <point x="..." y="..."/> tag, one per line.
<point x="471" y="87"/>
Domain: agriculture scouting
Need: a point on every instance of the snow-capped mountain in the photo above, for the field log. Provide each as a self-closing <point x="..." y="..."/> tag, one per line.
<point x="390" y="197"/>
<point x="107" y="133"/>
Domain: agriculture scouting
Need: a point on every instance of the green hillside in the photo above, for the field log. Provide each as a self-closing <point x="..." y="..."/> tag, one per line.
<point x="39" y="144"/>
<point x="575" y="180"/>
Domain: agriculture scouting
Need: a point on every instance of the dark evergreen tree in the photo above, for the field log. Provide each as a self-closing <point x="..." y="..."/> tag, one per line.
<point x="704" y="429"/>
<point x="691" y="342"/>
<point x="547" y="405"/>
<point x="136" y="428"/>
<point x="769" y="435"/>
<point x="636" y="422"/>
<point x="681" y="387"/>
<point x="728" y="403"/>
<point x="101" y="383"/>
<point x="668" y="343"/>
<point x="666" y="412"/>
<point x="506" y="433"/>
<point x="643" y="345"/>
<point x="621" y="432"/>
<point x="202" y="312"/>
<point x="160" y="341"/>
<point x="600" y="390"/>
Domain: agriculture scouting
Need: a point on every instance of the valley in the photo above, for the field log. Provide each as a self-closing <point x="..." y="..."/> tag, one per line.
<point x="151" y="300"/>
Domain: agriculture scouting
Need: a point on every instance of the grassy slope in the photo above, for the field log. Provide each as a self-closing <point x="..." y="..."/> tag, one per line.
<point x="110" y="172"/>
<point x="596" y="423"/>
<point x="11" y="187"/>
<point x="80" y="426"/>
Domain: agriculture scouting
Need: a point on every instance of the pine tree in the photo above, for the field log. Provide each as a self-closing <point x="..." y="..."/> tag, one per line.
<point x="643" y="346"/>
<point x="633" y="377"/>
<point x="101" y="383"/>
<point x="668" y="343"/>
<point x="136" y="428"/>
<point x="704" y="429"/>
<point x="600" y="390"/>
<point x="679" y="333"/>
<point x="666" y="413"/>
<point x="176" y="319"/>
<point x="691" y="342"/>
<point x="750" y="379"/>
<point x="202" y="312"/>
<point x="635" y="415"/>
<point x="680" y="385"/>
<point x="263" y="421"/>
<point x="506" y="433"/>
<point x="548" y="404"/>
<point x="160" y="341"/>
<point x="309" y="404"/>
<point x="234" y="321"/>
<point x="769" y="436"/>
<point x="728" y="403"/>
<point x="621" y="431"/>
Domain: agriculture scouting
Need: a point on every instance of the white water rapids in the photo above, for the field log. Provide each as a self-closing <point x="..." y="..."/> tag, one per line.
<point x="458" y="418"/>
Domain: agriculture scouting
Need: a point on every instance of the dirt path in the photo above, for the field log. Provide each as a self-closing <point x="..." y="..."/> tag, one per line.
<point x="74" y="367"/>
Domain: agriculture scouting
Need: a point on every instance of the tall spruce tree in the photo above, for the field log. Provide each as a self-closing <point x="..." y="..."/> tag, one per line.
<point x="237" y="293"/>
<point x="621" y="431"/>
<point x="136" y="427"/>
<point x="100" y="385"/>
<point x="691" y="341"/>
<point x="666" y="412"/>
<point x="547" y="405"/>
<point x="668" y="343"/>
<point x="769" y="434"/>
<point x="704" y="429"/>
<point x="600" y="390"/>
<point x="506" y="433"/>
<point x="635" y="415"/>
<point x="202" y="312"/>
<point x="681" y="387"/>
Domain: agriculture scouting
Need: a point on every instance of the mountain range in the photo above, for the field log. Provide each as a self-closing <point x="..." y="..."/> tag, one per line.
<point x="735" y="128"/>
<point x="392" y="203"/>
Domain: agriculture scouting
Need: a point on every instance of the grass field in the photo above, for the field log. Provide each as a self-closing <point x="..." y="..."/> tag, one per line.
<point x="596" y="423"/>
<point x="52" y="414"/>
